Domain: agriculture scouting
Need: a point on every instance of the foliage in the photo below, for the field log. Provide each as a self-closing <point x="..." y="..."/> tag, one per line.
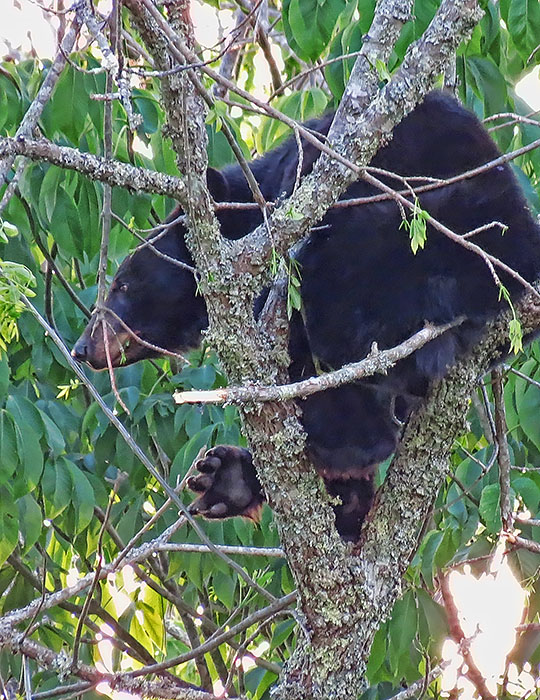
<point x="59" y="454"/>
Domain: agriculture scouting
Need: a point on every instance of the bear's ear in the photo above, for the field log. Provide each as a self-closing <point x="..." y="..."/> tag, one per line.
<point x="218" y="185"/>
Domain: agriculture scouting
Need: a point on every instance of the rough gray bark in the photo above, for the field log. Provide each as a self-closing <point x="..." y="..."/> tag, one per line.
<point x="112" y="172"/>
<point x="389" y="538"/>
<point x="341" y="600"/>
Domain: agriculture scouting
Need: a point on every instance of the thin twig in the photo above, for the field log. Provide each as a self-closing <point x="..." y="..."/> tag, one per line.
<point x="458" y="635"/>
<point x="420" y="685"/>
<point x="147" y="526"/>
<point x="156" y="348"/>
<point x="110" y="367"/>
<point x="149" y="242"/>
<point x="228" y="549"/>
<point x="491" y="261"/>
<point x="505" y="464"/>
<point x="218" y="639"/>
<point x="519" y="374"/>
<point x="522" y="543"/>
<point x="81" y="687"/>
<point x="99" y="560"/>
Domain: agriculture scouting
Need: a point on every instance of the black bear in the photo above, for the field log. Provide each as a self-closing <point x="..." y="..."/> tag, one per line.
<point x="360" y="283"/>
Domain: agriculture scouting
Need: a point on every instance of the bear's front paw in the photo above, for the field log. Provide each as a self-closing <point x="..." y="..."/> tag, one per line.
<point x="227" y="483"/>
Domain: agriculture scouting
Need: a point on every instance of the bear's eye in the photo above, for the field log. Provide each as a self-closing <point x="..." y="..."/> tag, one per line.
<point x="123" y="287"/>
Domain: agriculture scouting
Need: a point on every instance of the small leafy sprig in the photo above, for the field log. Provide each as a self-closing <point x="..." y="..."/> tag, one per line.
<point x="416" y="226"/>
<point x="291" y="267"/>
<point x="15" y="281"/>
<point x="515" y="330"/>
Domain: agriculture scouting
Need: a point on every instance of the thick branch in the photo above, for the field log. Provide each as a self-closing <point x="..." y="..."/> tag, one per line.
<point x="327" y="577"/>
<point x="357" y="138"/>
<point x="458" y="635"/>
<point x="61" y="663"/>
<point x="112" y="172"/>
<point x="390" y="536"/>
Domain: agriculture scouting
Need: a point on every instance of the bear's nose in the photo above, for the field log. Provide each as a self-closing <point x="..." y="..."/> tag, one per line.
<point x="80" y="350"/>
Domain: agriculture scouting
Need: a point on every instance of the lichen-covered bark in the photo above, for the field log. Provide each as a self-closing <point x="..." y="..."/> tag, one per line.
<point x="340" y="597"/>
<point x="357" y="133"/>
<point x="390" y="537"/>
<point x="113" y="172"/>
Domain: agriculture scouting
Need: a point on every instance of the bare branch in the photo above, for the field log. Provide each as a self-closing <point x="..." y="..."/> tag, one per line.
<point x="110" y="171"/>
<point x="357" y="136"/>
<point x="377" y="362"/>
<point x="390" y="534"/>
<point x="505" y="464"/>
<point x="168" y="689"/>
<point x="227" y="549"/>
<point x="523" y="543"/>
<point x="456" y="631"/>
<point x="218" y="639"/>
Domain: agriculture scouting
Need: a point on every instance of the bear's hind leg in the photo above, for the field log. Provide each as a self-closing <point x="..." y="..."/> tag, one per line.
<point x="356" y="497"/>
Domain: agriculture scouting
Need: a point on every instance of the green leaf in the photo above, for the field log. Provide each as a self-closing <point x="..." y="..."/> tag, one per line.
<point x="382" y="70"/>
<point x="490" y="510"/>
<point x="48" y="191"/>
<point x="30" y="456"/>
<point x="193" y="421"/>
<point x="282" y="631"/>
<point x="523" y="20"/>
<point x="187" y="454"/>
<point x="435" y="617"/>
<point x="529" y="491"/>
<point x="515" y="333"/>
<point x="83" y="499"/>
<point x="224" y="587"/>
<point x="402" y="628"/>
<point x="25" y="414"/>
<point x="417" y="227"/>
<point x="528" y="409"/>
<point x="55" y="439"/>
<point x="31" y="521"/>
<point x="57" y="488"/>
<point x="429" y="549"/>
<point x="488" y="83"/>
<point x="377" y="654"/>
<point x="310" y="24"/>
<point x="8" y="229"/>
<point x="348" y="41"/>
<point x="148" y="108"/>
<point x="4" y="375"/>
<point x="258" y="680"/>
<point x="16" y="280"/>
<point x="65" y="224"/>
<point x="9" y="523"/>
<point x="9" y="459"/>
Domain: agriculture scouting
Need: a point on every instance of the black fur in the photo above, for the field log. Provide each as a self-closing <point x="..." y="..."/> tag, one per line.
<point x="361" y="284"/>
